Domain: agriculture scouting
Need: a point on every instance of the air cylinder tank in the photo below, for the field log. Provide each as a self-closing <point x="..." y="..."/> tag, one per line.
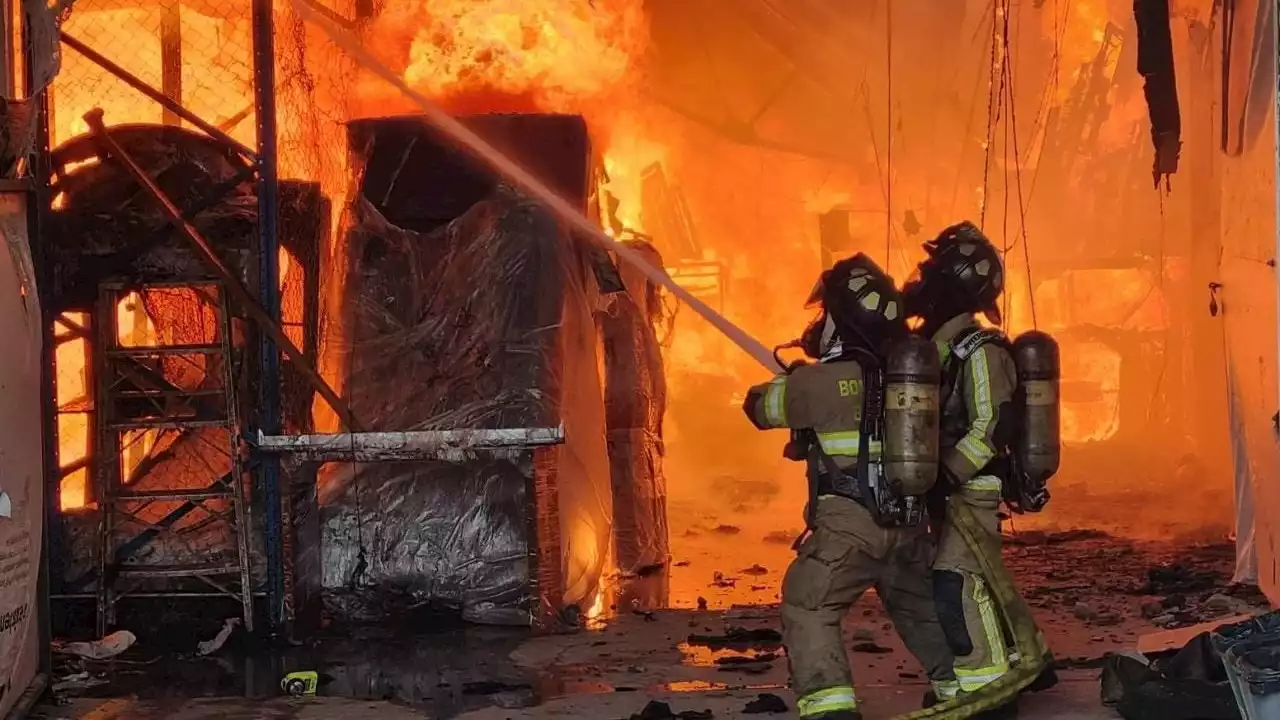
<point x="1039" y="443"/>
<point x="912" y="375"/>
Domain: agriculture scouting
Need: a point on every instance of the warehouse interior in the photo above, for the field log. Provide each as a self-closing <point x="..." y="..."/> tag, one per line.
<point x="363" y="378"/>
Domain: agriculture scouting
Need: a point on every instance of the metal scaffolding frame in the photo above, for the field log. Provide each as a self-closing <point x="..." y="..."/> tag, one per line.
<point x="130" y="399"/>
<point x="261" y="164"/>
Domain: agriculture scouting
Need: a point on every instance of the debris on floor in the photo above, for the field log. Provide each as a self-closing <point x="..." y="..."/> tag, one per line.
<point x="871" y="648"/>
<point x="108" y="647"/>
<point x="213" y="645"/>
<point x="77" y="682"/>
<point x="766" y="704"/>
<point x="1193" y="682"/>
<point x="300" y="683"/>
<point x="719" y="580"/>
<point x="781" y="537"/>
<point x="736" y="638"/>
<point x="657" y="710"/>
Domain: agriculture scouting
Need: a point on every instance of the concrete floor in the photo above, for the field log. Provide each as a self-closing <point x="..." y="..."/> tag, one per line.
<point x="606" y="673"/>
<point x="1074" y="699"/>
<point x="1088" y="596"/>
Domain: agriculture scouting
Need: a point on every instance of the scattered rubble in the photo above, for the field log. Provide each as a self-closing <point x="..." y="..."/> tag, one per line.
<point x="656" y="710"/>
<point x="1039" y="537"/>
<point x="727" y="529"/>
<point x="108" y="647"/>
<point x="78" y="681"/>
<point x="871" y="648"/>
<point x="1083" y="611"/>
<point x="736" y="638"/>
<point x="1103" y="580"/>
<point x="781" y="537"/>
<point x="766" y="704"/>
<point x="719" y="580"/>
<point x="755" y="570"/>
<point x="213" y="645"/>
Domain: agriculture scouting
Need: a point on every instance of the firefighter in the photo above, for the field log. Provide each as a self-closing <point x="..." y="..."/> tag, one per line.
<point x="844" y="550"/>
<point x="961" y="278"/>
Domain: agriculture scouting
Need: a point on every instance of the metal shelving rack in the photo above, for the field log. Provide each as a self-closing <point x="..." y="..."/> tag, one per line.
<point x="130" y="400"/>
<point x="111" y="53"/>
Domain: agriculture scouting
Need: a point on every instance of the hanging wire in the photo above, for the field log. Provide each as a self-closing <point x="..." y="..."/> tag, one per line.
<point x="888" y="153"/>
<point x="1003" y="99"/>
<point x="992" y="103"/>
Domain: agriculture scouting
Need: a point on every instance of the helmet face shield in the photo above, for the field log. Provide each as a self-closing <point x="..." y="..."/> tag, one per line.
<point x="818" y="337"/>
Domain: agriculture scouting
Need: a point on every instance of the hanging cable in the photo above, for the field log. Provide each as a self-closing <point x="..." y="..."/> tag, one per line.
<point x="992" y="102"/>
<point x="1012" y="124"/>
<point x="1003" y="107"/>
<point x="888" y="152"/>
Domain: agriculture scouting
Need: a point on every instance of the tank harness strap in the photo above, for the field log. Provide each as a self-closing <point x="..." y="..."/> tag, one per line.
<point x="869" y="426"/>
<point x="812" y="471"/>
<point x="963" y="346"/>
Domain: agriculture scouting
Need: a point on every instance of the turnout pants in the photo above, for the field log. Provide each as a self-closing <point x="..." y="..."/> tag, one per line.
<point x="846" y="554"/>
<point x="969" y="615"/>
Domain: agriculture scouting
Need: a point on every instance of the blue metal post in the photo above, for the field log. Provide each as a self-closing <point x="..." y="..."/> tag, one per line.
<point x="269" y="296"/>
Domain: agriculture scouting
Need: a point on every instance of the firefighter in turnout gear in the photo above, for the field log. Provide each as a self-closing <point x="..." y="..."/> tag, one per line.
<point x="848" y="547"/>
<point x="962" y="277"/>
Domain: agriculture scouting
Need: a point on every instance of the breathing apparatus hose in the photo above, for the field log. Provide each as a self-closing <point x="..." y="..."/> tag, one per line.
<point x="1034" y="656"/>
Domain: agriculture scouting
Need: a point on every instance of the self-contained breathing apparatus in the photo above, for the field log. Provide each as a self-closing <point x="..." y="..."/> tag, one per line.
<point x="1031" y="449"/>
<point x="861" y="311"/>
<point x="964" y="273"/>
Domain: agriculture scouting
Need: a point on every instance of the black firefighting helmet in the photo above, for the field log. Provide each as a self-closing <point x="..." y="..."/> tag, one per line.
<point x="962" y="274"/>
<point x="862" y="303"/>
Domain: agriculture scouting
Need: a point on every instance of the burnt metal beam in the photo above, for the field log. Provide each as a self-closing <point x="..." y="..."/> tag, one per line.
<point x="264" y="98"/>
<point x="146" y="536"/>
<point x="171" y="58"/>
<point x="449" y="445"/>
<point x="248" y="302"/>
<point x="136" y="83"/>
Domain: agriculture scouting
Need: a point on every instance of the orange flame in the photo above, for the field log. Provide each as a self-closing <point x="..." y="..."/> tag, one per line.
<point x="508" y="55"/>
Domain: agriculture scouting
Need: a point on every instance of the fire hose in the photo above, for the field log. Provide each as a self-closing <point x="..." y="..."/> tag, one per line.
<point x="527" y="182"/>
<point x="1033" y="654"/>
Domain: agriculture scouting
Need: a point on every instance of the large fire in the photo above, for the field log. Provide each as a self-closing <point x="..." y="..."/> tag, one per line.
<point x="753" y="211"/>
<point x="554" y="55"/>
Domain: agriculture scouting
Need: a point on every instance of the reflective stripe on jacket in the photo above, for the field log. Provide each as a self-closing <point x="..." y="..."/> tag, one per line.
<point x="823" y="397"/>
<point x="985" y="386"/>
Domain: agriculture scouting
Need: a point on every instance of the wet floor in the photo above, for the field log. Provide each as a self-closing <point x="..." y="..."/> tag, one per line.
<point x="693" y="659"/>
<point x="445" y="673"/>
